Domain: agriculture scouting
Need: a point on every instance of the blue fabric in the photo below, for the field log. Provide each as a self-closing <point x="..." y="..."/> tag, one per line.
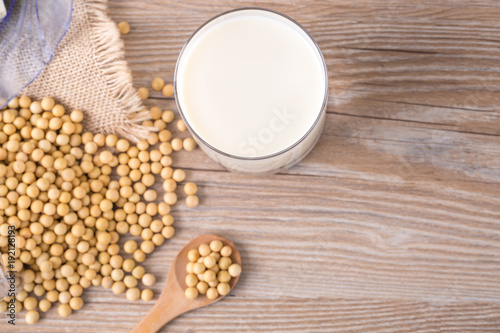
<point x="29" y="36"/>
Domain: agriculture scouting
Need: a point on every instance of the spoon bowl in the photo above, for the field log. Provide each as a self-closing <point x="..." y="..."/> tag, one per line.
<point x="181" y="261"/>
<point x="172" y="302"/>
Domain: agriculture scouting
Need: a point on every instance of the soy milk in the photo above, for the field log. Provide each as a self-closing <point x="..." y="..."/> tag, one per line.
<point x="251" y="83"/>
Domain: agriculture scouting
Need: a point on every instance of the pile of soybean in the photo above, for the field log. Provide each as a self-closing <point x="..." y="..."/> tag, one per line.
<point x="70" y="196"/>
<point x="210" y="270"/>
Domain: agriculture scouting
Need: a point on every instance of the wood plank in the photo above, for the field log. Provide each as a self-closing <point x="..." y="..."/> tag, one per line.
<point x="288" y="314"/>
<point x="393" y="150"/>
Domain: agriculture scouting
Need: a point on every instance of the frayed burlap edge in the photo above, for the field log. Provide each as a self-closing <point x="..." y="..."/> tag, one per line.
<point x="109" y="56"/>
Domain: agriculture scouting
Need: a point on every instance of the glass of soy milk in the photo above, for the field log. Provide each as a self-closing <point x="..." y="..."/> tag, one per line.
<point x="252" y="86"/>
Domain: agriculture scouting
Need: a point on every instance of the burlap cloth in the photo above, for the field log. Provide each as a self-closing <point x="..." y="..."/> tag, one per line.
<point x="88" y="72"/>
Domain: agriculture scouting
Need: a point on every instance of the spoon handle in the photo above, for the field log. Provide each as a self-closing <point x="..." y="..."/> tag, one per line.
<point x="170" y="304"/>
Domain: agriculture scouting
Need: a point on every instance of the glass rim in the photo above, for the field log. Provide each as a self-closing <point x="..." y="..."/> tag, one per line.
<point x="264" y="157"/>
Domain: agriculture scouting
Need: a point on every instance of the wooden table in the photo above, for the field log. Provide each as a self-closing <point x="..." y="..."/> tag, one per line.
<point x="392" y="223"/>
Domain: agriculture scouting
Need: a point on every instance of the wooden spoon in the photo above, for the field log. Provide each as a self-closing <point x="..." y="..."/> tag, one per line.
<point x="172" y="302"/>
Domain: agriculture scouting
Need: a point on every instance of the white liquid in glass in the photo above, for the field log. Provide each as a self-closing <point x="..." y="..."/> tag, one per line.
<point x="251" y="83"/>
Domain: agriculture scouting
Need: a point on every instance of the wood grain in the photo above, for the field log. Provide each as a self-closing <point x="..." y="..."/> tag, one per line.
<point x="392" y="223"/>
